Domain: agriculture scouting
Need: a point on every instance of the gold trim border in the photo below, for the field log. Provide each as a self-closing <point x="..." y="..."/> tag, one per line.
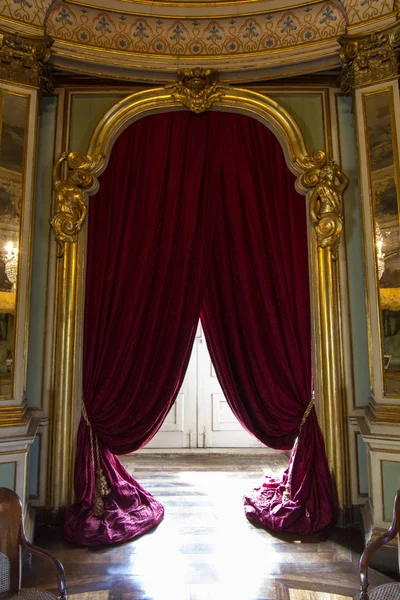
<point x="383" y="414"/>
<point x="13" y="416"/>
<point x="194" y="3"/>
<point x="190" y="16"/>
<point x="256" y="105"/>
<point x="82" y="173"/>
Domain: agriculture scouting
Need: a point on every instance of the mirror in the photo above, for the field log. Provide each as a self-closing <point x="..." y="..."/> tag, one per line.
<point x="384" y="178"/>
<point x="14" y="108"/>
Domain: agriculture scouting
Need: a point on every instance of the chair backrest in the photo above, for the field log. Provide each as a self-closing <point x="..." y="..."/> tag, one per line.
<point x="10" y="532"/>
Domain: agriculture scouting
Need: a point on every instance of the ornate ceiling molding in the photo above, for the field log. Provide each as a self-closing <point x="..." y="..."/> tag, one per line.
<point x="260" y="39"/>
<point x="160" y="37"/>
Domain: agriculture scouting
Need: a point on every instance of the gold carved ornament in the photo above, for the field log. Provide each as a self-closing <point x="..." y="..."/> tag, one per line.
<point x="327" y="185"/>
<point x="196" y="88"/>
<point x="24" y="59"/>
<point x="369" y="59"/>
<point x="71" y="194"/>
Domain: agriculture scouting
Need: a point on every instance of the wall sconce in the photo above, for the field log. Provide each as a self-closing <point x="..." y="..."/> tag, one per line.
<point x="380" y="256"/>
<point x="10" y="258"/>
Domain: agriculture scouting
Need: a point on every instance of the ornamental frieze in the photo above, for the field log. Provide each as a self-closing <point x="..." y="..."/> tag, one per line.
<point x="196" y="37"/>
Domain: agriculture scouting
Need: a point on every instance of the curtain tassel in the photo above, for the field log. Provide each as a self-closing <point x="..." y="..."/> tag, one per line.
<point x="101" y="488"/>
<point x="287" y="494"/>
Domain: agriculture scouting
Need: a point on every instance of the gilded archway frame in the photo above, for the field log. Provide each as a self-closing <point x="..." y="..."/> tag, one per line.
<point x="75" y="178"/>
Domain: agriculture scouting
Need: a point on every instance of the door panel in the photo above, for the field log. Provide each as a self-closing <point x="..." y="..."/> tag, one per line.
<point x="174" y="421"/>
<point x="180" y="424"/>
<point x="217" y="425"/>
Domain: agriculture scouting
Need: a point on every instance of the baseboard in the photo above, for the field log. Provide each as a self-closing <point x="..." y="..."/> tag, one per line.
<point x="344" y="516"/>
<point x="50" y="517"/>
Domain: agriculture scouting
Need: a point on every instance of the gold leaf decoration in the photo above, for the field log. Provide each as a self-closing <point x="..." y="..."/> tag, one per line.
<point x="24" y="59"/>
<point x="72" y="193"/>
<point x="370" y="58"/>
<point x="196" y="88"/>
<point x="327" y="185"/>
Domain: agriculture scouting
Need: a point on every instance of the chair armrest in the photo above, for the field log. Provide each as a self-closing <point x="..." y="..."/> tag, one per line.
<point x="383" y="539"/>
<point x="46" y="555"/>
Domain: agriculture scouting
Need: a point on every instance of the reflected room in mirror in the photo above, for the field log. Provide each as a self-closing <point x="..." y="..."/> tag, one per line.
<point x="13" y="124"/>
<point x="384" y="177"/>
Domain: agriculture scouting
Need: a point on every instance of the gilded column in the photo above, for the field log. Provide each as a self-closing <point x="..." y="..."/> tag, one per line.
<point x="370" y="74"/>
<point x="70" y="213"/>
<point x="326" y="211"/>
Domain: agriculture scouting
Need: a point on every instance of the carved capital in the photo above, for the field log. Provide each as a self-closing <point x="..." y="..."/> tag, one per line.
<point x="196" y="88"/>
<point x="72" y="192"/>
<point x="24" y="59"/>
<point x="327" y="184"/>
<point x="369" y="58"/>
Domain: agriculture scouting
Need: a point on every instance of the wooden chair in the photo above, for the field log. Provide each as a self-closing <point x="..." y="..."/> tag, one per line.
<point x="12" y="539"/>
<point x="388" y="591"/>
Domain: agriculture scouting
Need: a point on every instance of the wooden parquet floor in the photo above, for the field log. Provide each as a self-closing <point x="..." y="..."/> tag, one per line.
<point x="205" y="549"/>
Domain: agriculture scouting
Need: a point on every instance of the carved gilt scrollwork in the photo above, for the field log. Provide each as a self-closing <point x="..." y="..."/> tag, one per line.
<point x="327" y="185"/>
<point x="370" y="58"/>
<point x="24" y="59"/>
<point x="196" y="88"/>
<point x="72" y="193"/>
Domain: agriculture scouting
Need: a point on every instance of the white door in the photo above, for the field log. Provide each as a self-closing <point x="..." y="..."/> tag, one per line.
<point x="179" y="429"/>
<point x="201" y="416"/>
<point x="216" y="423"/>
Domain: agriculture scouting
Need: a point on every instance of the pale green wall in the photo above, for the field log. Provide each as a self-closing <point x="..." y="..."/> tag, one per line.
<point x="391" y="478"/>
<point x="34" y="457"/>
<point x="7" y="475"/>
<point x="307" y="111"/>
<point x="87" y="110"/>
<point x="354" y="248"/>
<point x="40" y="251"/>
<point x="362" y="465"/>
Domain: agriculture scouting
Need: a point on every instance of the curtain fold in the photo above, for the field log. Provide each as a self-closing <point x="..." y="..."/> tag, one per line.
<point x="195" y="215"/>
<point x="149" y="243"/>
<point x="256" y="318"/>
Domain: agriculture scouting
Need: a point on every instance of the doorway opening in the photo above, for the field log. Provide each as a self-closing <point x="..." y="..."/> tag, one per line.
<point x="201" y="417"/>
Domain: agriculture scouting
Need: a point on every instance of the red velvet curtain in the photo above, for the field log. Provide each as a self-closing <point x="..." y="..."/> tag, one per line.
<point x="256" y="318"/>
<point x="149" y="243"/>
<point x="195" y="212"/>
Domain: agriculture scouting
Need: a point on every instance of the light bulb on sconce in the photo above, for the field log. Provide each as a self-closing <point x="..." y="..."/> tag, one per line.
<point x="10" y="258"/>
<point x="380" y="256"/>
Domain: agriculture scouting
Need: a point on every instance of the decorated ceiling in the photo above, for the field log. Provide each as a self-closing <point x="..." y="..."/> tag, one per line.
<point x="246" y="39"/>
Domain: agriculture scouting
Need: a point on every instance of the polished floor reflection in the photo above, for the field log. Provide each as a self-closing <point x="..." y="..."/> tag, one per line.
<point x="205" y="549"/>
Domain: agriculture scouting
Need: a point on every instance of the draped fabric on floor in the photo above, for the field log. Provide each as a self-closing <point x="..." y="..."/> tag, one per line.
<point x="196" y="215"/>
